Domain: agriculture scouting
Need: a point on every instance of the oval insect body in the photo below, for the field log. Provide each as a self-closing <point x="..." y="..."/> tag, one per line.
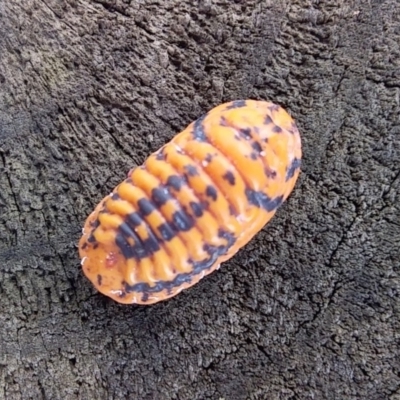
<point x="192" y="204"/>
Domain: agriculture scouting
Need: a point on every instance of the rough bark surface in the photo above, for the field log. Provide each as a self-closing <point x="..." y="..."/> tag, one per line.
<point x="310" y="308"/>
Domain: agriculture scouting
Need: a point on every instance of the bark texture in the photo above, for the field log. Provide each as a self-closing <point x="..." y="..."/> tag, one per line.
<point x="310" y="308"/>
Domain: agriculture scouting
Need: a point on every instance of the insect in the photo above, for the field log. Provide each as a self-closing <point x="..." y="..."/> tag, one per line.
<point x="193" y="203"/>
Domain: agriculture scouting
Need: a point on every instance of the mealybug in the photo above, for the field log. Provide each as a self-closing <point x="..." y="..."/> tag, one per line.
<point x="192" y="204"/>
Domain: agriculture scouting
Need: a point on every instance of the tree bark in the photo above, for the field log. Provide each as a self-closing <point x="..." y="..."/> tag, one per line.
<point x="310" y="308"/>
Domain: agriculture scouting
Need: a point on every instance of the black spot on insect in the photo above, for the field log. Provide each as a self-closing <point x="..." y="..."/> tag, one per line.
<point x="145" y="296"/>
<point x="182" y="221"/>
<point x="277" y="129"/>
<point x="191" y="170"/>
<point x="253" y="155"/>
<point x="175" y="181"/>
<point x="228" y="176"/>
<point x="211" y="192"/>
<point x="95" y="224"/>
<point x="197" y="209"/>
<point x="236" y="104"/>
<point x="270" y="173"/>
<point x="95" y="246"/>
<point x="183" y="278"/>
<point x="91" y="239"/>
<point x="84" y="246"/>
<point x="198" y="268"/>
<point x="245" y="133"/>
<point x="260" y="199"/>
<point x="208" y="158"/>
<point x="151" y="244"/>
<point x="257" y="147"/>
<point x="292" y="168"/>
<point x="99" y="279"/>
<point x="146" y="207"/>
<point x="115" y="196"/>
<point x="128" y="232"/>
<point x="133" y="220"/>
<point x="137" y="251"/>
<point x="159" y="196"/>
<point x="198" y="129"/>
<point x="166" y="231"/>
<point x="268" y="120"/>
<point x="208" y="249"/>
<point x="228" y="237"/>
<point x="127" y="250"/>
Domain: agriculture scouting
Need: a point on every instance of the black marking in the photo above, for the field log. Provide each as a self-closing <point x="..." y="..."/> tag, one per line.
<point x="166" y="231"/>
<point x="191" y="170"/>
<point x="253" y="155"/>
<point x="260" y="199"/>
<point x="211" y="192"/>
<point x="138" y="250"/>
<point x="296" y="163"/>
<point x="229" y="177"/>
<point x="246" y="133"/>
<point x="91" y="238"/>
<point x="99" y="279"/>
<point x="270" y="173"/>
<point x="95" y="224"/>
<point x="236" y="104"/>
<point x="268" y="120"/>
<point x="95" y="246"/>
<point x="151" y="244"/>
<point x="198" y="129"/>
<point x="128" y="232"/>
<point x="197" y="209"/>
<point x="208" y="158"/>
<point x="133" y="220"/>
<point x="160" y="196"/>
<point x="257" y="147"/>
<point x="145" y="296"/>
<point x="146" y="207"/>
<point x="115" y="196"/>
<point x="198" y="268"/>
<point x="228" y="237"/>
<point x="277" y="129"/>
<point x="142" y="248"/>
<point x="182" y="221"/>
<point x="127" y="250"/>
<point x="175" y="181"/>
<point x="84" y="246"/>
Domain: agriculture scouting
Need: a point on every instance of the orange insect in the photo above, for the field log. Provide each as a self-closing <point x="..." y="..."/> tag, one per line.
<point x="192" y="204"/>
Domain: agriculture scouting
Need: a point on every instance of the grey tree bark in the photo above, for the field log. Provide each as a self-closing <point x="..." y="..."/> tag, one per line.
<point x="310" y="308"/>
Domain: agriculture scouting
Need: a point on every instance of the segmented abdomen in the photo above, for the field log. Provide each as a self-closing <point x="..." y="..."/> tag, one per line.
<point x="193" y="204"/>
